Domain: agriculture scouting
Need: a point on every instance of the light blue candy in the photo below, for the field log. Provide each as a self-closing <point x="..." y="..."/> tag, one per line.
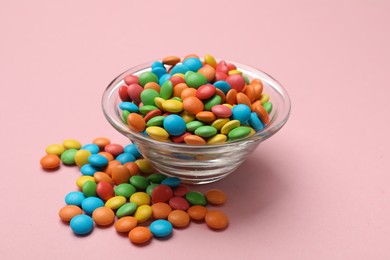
<point x="193" y="64"/>
<point x="133" y="149"/>
<point x="90" y="204"/>
<point x="157" y="64"/>
<point x="174" y="125"/>
<point x="93" y="148"/>
<point x="255" y="122"/>
<point x="125" y="157"/>
<point x="164" y="78"/>
<point x="241" y="113"/>
<point x="88" y="170"/>
<point x="179" y="68"/>
<point x="223" y="85"/>
<point x="97" y="160"/>
<point x="172" y="182"/>
<point x="74" y="198"/>
<point x="81" y="224"/>
<point x="129" y="106"/>
<point x="159" y="71"/>
<point x="161" y="228"/>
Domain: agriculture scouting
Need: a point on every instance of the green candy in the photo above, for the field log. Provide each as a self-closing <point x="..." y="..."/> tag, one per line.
<point x="268" y="107"/>
<point x="156" y="177"/>
<point x="193" y="125"/>
<point x="140" y="182"/>
<point x="209" y="103"/>
<point x="148" y="96"/>
<point x="194" y="79"/>
<point x="246" y="79"/>
<point x="125" y="190"/>
<point x="125" y="115"/>
<point x="150" y="188"/>
<point x="196" y="198"/>
<point x="146" y="109"/>
<point x="67" y="157"/>
<point x="126" y="209"/>
<point x="147" y="77"/>
<point x="239" y="132"/>
<point x="166" y="90"/>
<point x="177" y="98"/>
<point x="89" y="189"/>
<point x="206" y="131"/>
<point x="156" y="121"/>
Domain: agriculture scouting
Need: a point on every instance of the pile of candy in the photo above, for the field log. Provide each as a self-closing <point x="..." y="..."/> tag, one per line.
<point x="119" y="186"/>
<point x="194" y="101"/>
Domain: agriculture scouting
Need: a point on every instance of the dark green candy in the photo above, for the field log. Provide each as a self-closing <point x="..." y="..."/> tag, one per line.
<point x="140" y="182"/>
<point x="89" y="189"/>
<point x="150" y="188"/>
<point x="126" y="209"/>
<point x="125" y="190"/>
<point x="156" y="177"/>
<point x="196" y="198"/>
<point x="67" y="157"/>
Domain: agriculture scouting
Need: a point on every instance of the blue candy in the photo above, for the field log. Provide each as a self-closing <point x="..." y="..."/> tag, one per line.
<point x="174" y="125"/>
<point x="129" y="106"/>
<point x="93" y="148"/>
<point x="133" y="149"/>
<point x="193" y="64"/>
<point x="223" y="85"/>
<point x="81" y="224"/>
<point x="157" y="64"/>
<point x="171" y="182"/>
<point x="90" y="204"/>
<point x="97" y="160"/>
<point x="74" y="198"/>
<point x="164" y="78"/>
<point x="161" y="228"/>
<point x="159" y="71"/>
<point x="255" y="122"/>
<point x="88" y="169"/>
<point x="241" y="113"/>
<point x="179" y="68"/>
<point x="125" y="157"/>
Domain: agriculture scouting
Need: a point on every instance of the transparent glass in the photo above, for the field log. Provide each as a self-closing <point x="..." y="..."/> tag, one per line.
<point x="199" y="164"/>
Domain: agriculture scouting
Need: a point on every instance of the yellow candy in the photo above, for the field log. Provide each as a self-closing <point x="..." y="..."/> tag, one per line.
<point x="83" y="179"/>
<point x="115" y="202"/>
<point x="232" y="72"/>
<point x="253" y="131"/>
<point x="56" y="149"/>
<point x="229" y="126"/>
<point x="219" y="123"/>
<point x="172" y="105"/>
<point x="144" y="166"/>
<point x="140" y="198"/>
<point x="228" y="105"/>
<point x="217" y="139"/>
<point x="210" y="60"/>
<point x="71" y="144"/>
<point x="264" y="98"/>
<point x="158" y="101"/>
<point x="81" y="157"/>
<point x="181" y="75"/>
<point x="157" y="133"/>
<point x="143" y="213"/>
<point x="187" y="117"/>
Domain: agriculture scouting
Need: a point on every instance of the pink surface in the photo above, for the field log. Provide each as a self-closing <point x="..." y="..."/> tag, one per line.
<point x="319" y="189"/>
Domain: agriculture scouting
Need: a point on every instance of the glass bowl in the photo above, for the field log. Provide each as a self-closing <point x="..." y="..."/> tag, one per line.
<point x="192" y="163"/>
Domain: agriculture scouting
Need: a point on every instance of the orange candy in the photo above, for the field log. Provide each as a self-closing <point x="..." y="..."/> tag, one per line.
<point x="111" y="165"/>
<point x="68" y="212"/>
<point x="231" y="97"/>
<point x="188" y="92"/>
<point x="125" y="224"/>
<point x="102" y="176"/>
<point x="140" y="235"/>
<point x="216" y="219"/>
<point x="133" y="168"/>
<point x="152" y="85"/>
<point x="262" y="114"/>
<point x="193" y="105"/>
<point x="101" y="142"/>
<point x="179" y="218"/>
<point x="194" y="140"/>
<point x="243" y="99"/>
<point x="171" y="60"/>
<point x="208" y="72"/>
<point x="161" y="210"/>
<point x="109" y="156"/>
<point x="120" y="174"/>
<point x="206" y="117"/>
<point x="249" y="91"/>
<point x="197" y="212"/>
<point x="178" y="89"/>
<point x="50" y="161"/>
<point x="216" y="197"/>
<point x="136" y="122"/>
<point x="103" y="216"/>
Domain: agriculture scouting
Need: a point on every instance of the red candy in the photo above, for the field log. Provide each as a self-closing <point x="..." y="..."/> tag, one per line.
<point x="131" y="79"/>
<point x="162" y="193"/>
<point x="205" y="91"/>
<point x="114" y="149"/>
<point x="221" y="111"/>
<point x="180" y="191"/>
<point x="151" y="114"/>
<point x="236" y="81"/>
<point x="104" y="190"/>
<point x="180" y="138"/>
<point x="219" y="75"/>
<point x="222" y="67"/>
<point x="134" y="91"/>
<point x="123" y="94"/>
<point x="176" y="80"/>
<point x="179" y="203"/>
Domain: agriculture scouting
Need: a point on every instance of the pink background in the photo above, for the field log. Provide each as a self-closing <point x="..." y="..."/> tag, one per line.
<point x="318" y="189"/>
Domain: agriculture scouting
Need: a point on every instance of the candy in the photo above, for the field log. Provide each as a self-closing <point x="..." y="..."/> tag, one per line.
<point x="125" y="190"/>
<point x="126" y="209"/>
<point x="196" y="198"/>
<point x="161" y="210"/>
<point x="71" y="144"/>
<point x="120" y="174"/>
<point x="146" y="77"/>
<point x="140" y="198"/>
<point x="74" y="198"/>
<point x="103" y="216"/>
<point x="140" y="235"/>
<point x="114" y="149"/>
<point x="216" y="219"/>
<point x="162" y="193"/>
<point x="104" y="190"/>
<point x="179" y="203"/>
<point x="215" y="197"/>
<point x="161" y="228"/>
<point x="98" y="160"/>
<point x="115" y="202"/>
<point x="83" y="179"/>
<point x="68" y="157"/>
<point x="197" y="212"/>
<point x="92" y="148"/>
<point x="81" y="157"/>
<point x="125" y="224"/>
<point x="102" y="177"/>
<point x="239" y="132"/>
<point x="143" y="213"/>
<point x="205" y="131"/>
<point x="89" y="189"/>
<point x="90" y="204"/>
<point x="179" y="218"/>
<point x="81" y="224"/>
<point x="50" y="161"/>
<point x="174" y="125"/>
<point x="56" y="149"/>
<point x="102" y="141"/>
<point x="68" y="212"/>
<point x="150" y="188"/>
<point x="139" y="182"/>
<point x="156" y="177"/>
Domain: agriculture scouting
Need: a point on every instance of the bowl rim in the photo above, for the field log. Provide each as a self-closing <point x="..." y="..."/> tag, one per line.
<point x="276" y="123"/>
